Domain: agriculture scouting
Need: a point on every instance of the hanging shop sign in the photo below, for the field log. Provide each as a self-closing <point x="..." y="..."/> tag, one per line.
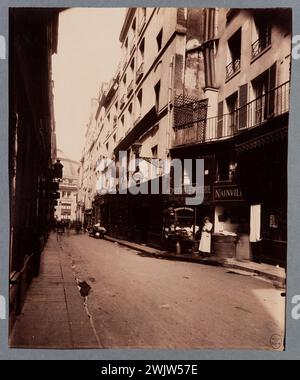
<point x="181" y="198"/>
<point x="228" y="193"/>
<point x="184" y="209"/>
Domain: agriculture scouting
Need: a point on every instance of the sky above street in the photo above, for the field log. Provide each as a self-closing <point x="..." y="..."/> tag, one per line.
<point x="88" y="54"/>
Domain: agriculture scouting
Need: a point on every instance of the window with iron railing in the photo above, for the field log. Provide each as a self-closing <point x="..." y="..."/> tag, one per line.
<point x="232" y="106"/>
<point x="269" y="103"/>
<point x="130" y="88"/>
<point x="140" y="72"/>
<point x="263" y="41"/>
<point x="232" y="68"/>
<point x="122" y="101"/>
<point x="115" y="120"/>
<point x="260" y="89"/>
<point x="234" y="54"/>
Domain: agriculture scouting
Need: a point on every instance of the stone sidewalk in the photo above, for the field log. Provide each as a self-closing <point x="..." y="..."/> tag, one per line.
<point x="273" y="273"/>
<point x="54" y="315"/>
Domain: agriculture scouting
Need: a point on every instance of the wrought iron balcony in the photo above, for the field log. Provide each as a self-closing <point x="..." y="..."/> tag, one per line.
<point x="261" y="43"/>
<point x="193" y="128"/>
<point x="233" y="67"/>
<point x="140" y="72"/>
<point x="130" y="88"/>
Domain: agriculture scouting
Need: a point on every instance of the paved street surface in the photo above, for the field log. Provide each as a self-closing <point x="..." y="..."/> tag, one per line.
<point x="140" y="301"/>
<point x="137" y="301"/>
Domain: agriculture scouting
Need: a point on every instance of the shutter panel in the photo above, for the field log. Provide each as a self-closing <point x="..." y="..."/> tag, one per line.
<point x="243" y="98"/>
<point x="220" y="120"/>
<point x="271" y="87"/>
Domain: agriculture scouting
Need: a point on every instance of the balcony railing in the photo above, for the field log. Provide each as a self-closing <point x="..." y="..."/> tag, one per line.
<point x="140" y="72"/>
<point x="130" y="88"/>
<point x="254" y="114"/>
<point x="261" y="43"/>
<point x="232" y="68"/>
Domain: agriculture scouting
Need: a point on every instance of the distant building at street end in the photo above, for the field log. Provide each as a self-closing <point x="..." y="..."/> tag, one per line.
<point x="66" y="208"/>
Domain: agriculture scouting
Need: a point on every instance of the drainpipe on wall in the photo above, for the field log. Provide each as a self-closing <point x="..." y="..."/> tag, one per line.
<point x="170" y="102"/>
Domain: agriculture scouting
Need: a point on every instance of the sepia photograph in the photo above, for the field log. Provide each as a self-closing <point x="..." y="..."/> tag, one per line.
<point x="148" y="177"/>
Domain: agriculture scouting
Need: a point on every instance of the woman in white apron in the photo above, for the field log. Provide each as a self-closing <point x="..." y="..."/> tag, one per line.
<point x="205" y="242"/>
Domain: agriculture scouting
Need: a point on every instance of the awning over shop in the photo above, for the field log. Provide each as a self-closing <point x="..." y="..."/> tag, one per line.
<point x="263" y="140"/>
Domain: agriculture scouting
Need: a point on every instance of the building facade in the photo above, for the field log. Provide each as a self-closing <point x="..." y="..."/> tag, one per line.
<point x="32" y="145"/>
<point x="244" y="142"/>
<point x="199" y="83"/>
<point x="136" y="106"/>
<point x="67" y="205"/>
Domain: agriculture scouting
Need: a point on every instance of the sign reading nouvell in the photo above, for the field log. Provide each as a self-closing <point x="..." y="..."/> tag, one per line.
<point x="228" y="193"/>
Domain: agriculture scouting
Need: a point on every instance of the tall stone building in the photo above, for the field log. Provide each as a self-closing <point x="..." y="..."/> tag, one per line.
<point x="244" y="139"/>
<point x="32" y="145"/>
<point x="67" y="204"/>
<point x="136" y="107"/>
<point x="199" y="83"/>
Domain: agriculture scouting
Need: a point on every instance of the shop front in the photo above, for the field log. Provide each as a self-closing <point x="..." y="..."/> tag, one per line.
<point x="264" y="171"/>
<point x="232" y="224"/>
<point x="136" y="218"/>
<point x="179" y="228"/>
<point x="182" y="224"/>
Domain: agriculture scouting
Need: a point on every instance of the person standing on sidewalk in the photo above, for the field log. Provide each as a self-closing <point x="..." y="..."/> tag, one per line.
<point x="60" y="230"/>
<point x="205" y="242"/>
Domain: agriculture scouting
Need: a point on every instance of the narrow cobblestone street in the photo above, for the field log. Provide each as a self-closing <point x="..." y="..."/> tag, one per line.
<point x="137" y="301"/>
